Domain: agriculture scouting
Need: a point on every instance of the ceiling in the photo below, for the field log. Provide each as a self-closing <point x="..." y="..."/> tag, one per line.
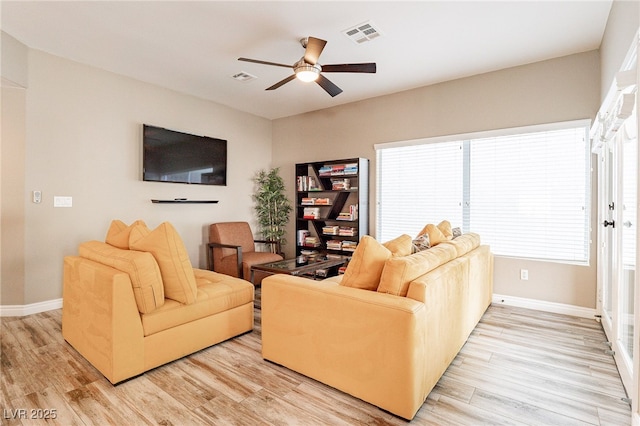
<point x="193" y="47"/>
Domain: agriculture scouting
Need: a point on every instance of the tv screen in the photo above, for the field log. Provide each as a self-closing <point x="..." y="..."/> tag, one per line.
<point x="172" y="156"/>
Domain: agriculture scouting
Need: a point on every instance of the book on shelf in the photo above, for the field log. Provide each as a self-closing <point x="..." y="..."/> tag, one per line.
<point x="347" y="231"/>
<point x="334" y="245"/>
<point x="307" y="183"/>
<point x="325" y="170"/>
<point x="302" y="234"/>
<point x="338" y="170"/>
<point x="352" y="214"/>
<point x="349" y="245"/>
<point x="330" y="230"/>
<point x="340" y="184"/>
<point x="301" y="183"/>
<point x="351" y="169"/>
<point x="310" y="201"/>
<point x="312" y="241"/>
<point x="311" y="213"/>
<point x="306" y="201"/>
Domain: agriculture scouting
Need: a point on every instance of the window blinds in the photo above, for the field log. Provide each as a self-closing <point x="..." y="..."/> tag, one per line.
<point x="417" y="185"/>
<point x="527" y="194"/>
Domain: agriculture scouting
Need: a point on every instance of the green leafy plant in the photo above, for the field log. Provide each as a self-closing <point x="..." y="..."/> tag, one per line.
<point x="272" y="205"/>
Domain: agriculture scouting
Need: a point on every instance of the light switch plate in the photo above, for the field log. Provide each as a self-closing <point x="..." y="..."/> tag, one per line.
<point x="62" y="201"/>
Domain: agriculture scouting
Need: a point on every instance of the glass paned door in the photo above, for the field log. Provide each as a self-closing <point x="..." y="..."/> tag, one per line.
<point x="606" y="219"/>
<point x="628" y="142"/>
<point x="618" y="217"/>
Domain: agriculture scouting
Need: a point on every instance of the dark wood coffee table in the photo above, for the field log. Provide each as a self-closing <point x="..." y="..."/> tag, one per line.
<point x="303" y="266"/>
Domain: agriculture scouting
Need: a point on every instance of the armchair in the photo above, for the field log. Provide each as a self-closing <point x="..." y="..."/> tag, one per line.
<point x="232" y="251"/>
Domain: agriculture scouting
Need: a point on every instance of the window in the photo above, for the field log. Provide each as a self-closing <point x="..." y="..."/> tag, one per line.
<point x="525" y="191"/>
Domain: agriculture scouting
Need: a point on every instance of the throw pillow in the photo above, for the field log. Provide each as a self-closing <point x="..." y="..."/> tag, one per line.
<point x="435" y="234"/>
<point x="400" y="246"/>
<point x="456" y="232"/>
<point x="165" y="244"/>
<point x="366" y="264"/>
<point x="398" y="272"/>
<point x="445" y="228"/>
<point x="118" y="233"/>
<point x="142" y="268"/>
<point x="421" y="243"/>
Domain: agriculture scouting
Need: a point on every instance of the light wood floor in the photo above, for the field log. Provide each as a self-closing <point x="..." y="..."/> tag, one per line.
<point x="519" y="367"/>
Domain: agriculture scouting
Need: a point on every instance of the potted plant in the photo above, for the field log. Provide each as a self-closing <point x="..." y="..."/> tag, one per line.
<point x="272" y="205"/>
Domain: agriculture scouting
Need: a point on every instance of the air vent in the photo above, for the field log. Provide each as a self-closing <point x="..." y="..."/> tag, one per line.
<point x="366" y="31"/>
<point x="243" y="76"/>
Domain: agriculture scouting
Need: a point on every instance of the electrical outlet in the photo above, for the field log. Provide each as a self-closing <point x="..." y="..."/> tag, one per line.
<point x="524" y="274"/>
<point x="37" y="197"/>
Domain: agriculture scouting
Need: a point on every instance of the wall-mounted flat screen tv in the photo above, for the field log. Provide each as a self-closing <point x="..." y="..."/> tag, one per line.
<point x="172" y="156"/>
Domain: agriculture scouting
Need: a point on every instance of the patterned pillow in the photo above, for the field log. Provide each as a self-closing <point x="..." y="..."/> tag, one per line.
<point x="456" y="232"/>
<point x="421" y="243"/>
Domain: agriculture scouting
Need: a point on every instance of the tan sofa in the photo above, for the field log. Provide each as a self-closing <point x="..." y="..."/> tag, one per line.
<point x="387" y="349"/>
<point x="128" y="310"/>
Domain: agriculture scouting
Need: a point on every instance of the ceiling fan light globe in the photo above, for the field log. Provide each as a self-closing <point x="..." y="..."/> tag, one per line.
<point x="307" y="73"/>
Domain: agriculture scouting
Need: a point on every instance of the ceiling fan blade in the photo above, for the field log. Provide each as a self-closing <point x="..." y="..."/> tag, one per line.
<point x="281" y="82"/>
<point x="256" y="61"/>
<point x="369" y="67"/>
<point x="328" y="86"/>
<point x="313" y="50"/>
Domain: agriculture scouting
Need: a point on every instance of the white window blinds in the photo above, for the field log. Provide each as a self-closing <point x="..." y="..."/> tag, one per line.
<point x="418" y="184"/>
<point x="526" y="194"/>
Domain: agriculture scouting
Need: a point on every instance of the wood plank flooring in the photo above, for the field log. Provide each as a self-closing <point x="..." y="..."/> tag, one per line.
<point x="519" y="367"/>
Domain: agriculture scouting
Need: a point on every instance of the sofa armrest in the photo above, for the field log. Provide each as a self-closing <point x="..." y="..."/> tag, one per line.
<point x="100" y="318"/>
<point x="368" y="344"/>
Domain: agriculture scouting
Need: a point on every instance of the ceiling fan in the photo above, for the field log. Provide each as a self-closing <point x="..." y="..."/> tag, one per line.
<point x="308" y="69"/>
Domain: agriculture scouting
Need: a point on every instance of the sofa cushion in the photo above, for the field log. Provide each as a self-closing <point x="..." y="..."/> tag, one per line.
<point x="165" y="244"/>
<point x="400" y="246"/>
<point x="398" y="272"/>
<point x="464" y="243"/>
<point x="118" y="233"/>
<point x="365" y="267"/>
<point x="142" y="269"/>
<point x="216" y="293"/>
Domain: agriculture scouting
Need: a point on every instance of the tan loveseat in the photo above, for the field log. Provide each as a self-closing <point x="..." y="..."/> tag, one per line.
<point x="387" y="349"/>
<point x="134" y="302"/>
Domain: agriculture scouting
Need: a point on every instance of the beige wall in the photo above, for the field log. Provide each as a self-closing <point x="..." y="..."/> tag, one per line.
<point x="561" y="89"/>
<point x="622" y="25"/>
<point x="83" y="139"/>
<point x="12" y="160"/>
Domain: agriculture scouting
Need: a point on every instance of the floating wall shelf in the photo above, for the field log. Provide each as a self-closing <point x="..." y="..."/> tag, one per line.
<point x="185" y="201"/>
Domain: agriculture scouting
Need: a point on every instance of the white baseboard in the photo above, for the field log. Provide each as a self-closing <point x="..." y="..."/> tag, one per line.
<point x="540" y="305"/>
<point x="33" y="308"/>
<point x="543" y="305"/>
